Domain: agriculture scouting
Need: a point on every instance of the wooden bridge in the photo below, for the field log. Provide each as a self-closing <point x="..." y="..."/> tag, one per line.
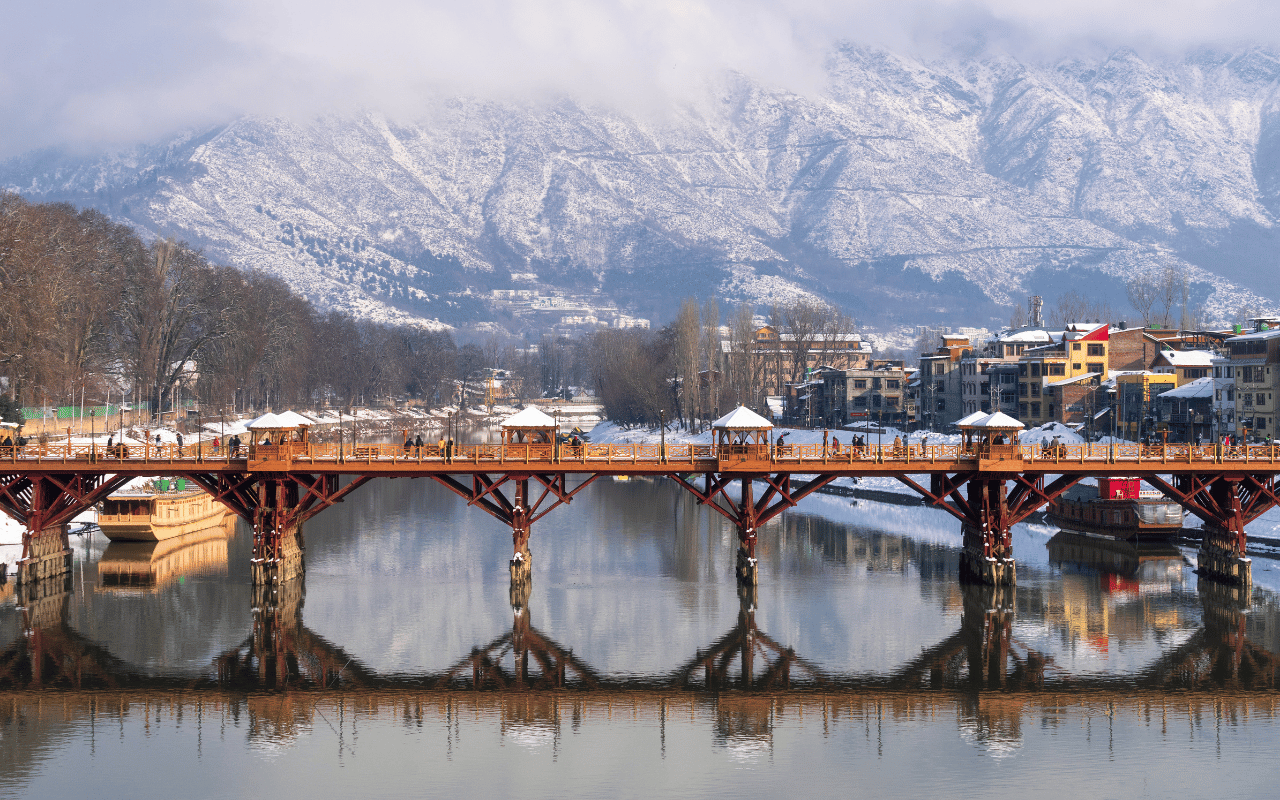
<point x="744" y="476"/>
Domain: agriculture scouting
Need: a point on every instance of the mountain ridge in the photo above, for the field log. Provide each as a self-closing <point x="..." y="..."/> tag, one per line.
<point x="903" y="188"/>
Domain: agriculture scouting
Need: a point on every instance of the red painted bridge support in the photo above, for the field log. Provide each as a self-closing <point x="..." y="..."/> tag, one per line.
<point x="987" y="514"/>
<point x="276" y="505"/>
<point x="747" y="513"/>
<point x="44" y="504"/>
<point x="519" y="510"/>
<point x="1226" y="503"/>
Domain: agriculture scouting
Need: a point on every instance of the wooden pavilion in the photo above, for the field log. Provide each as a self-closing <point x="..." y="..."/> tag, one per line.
<point x="742" y="436"/>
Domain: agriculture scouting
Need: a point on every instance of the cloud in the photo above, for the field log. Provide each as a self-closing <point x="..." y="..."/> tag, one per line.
<point x="74" y="72"/>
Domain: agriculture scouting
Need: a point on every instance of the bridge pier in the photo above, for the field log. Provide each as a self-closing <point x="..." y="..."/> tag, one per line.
<point x="987" y="515"/>
<point x="519" y="510"/>
<point x="748" y="513"/>
<point x="44" y="504"/>
<point x="1226" y="502"/>
<point x="276" y="505"/>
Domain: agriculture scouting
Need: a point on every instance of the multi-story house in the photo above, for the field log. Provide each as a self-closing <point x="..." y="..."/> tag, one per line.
<point x="1059" y="382"/>
<point x="1187" y="411"/>
<point x="1255" y="360"/>
<point x="876" y="394"/>
<point x="941" y="392"/>
<point x="1137" y="408"/>
<point x="1224" y="395"/>
<point x="1187" y="365"/>
<point x="777" y="352"/>
<point x="989" y="381"/>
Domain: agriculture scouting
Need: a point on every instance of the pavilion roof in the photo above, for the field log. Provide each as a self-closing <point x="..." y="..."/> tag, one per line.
<point x="742" y="419"/>
<point x="529" y="417"/>
<point x="998" y="421"/>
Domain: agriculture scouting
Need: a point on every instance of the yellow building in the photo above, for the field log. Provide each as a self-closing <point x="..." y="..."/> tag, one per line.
<point x="1080" y="356"/>
<point x="1135" y="409"/>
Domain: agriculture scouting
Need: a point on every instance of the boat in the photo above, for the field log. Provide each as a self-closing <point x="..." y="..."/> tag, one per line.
<point x="159" y="514"/>
<point x="1125" y="565"/>
<point x="1118" y="508"/>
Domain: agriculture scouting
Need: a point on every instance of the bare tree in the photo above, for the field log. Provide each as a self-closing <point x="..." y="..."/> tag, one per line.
<point x="1018" y="317"/>
<point x="1142" y="296"/>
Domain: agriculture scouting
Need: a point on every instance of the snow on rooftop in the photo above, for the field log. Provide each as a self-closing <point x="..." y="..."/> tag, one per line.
<point x="1200" y="387"/>
<point x="530" y="417"/>
<point x="741" y="419"/>
<point x="1187" y="358"/>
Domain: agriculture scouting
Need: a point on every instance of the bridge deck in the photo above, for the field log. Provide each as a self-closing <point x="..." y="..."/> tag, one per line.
<point x="646" y="459"/>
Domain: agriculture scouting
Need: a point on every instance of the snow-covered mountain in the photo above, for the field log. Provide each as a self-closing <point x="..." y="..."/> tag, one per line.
<point x="907" y="192"/>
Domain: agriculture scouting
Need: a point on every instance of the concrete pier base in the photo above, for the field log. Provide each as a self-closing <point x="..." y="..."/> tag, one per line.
<point x="748" y="569"/>
<point x="521" y="567"/>
<point x="289" y="565"/>
<point x="1220" y="558"/>
<point x="976" y="567"/>
<point x="49" y="558"/>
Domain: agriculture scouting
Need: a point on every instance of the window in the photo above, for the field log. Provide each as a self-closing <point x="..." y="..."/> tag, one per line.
<point x="1262" y="423"/>
<point x="1247" y="399"/>
<point x="940" y="387"/>
<point x="938" y="369"/>
<point x="1075" y="366"/>
<point x="892" y="402"/>
<point x="1022" y="409"/>
<point x="859" y="383"/>
<point x="1051" y="409"/>
<point x="1217" y="372"/>
<point x="1022" y="369"/>
<point x="891" y="383"/>
<point x="1035" y="409"/>
<point x="859" y="402"/>
<point x="1075" y="345"/>
<point x="1097" y="350"/>
<point x="1231" y="394"/>
<point x="875" y="401"/>
<point x="1097" y="367"/>
<point x="1035" y="370"/>
<point x="1022" y="390"/>
<point x="1193" y="373"/>
<point x="1255" y="347"/>
<point x="1035" y="390"/>
<point x="1057" y="369"/>
<point x="942" y="405"/>
<point x="1231" y="372"/>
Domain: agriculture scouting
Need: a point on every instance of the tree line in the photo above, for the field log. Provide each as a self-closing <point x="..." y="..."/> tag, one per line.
<point x="88" y="309"/>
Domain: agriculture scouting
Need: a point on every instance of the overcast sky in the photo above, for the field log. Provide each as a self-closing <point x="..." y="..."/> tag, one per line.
<point x="83" y="73"/>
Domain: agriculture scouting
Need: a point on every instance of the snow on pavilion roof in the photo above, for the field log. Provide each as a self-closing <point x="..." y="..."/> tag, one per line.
<point x="998" y="421"/>
<point x="292" y="419"/>
<point x="742" y="419"/>
<point x="529" y="417"/>
<point x="972" y="418"/>
<point x="264" y="422"/>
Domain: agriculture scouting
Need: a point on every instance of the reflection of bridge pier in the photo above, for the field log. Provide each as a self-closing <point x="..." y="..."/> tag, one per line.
<point x="982" y="654"/>
<point x="1220" y="654"/>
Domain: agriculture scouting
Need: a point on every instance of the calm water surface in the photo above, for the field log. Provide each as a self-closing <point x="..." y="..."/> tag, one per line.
<point x="635" y="667"/>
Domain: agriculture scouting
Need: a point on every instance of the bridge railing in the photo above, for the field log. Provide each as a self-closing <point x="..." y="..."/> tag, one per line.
<point x="808" y="455"/>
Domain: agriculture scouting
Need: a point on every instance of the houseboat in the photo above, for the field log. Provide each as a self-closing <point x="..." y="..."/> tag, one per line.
<point x="1116" y="507"/>
<point x="153" y="516"/>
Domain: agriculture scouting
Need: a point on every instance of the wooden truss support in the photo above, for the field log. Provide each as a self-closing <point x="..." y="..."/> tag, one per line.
<point x="988" y="510"/>
<point x="519" y="510"/>
<point x="46" y="502"/>
<point x="274" y="503"/>
<point x="1226" y="502"/>
<point x="747" y="513"/>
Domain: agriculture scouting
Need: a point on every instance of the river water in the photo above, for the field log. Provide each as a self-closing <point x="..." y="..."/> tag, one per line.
<point x="859" y="667"/>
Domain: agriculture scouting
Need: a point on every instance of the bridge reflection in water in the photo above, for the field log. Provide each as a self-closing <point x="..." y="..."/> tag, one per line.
<point x="993" y="681"/>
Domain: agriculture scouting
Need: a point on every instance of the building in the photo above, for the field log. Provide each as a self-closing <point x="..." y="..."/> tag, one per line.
<point x="1224" y="396"/>
<point x="1136" y="410"/>
<point x="777" y="353"/>
<point x="1187" y="365"/>
<point x="941" y="391"/>
<point x="1255" y="361"/>
<point x="1187" y="411"/>
<point x="876" y="394"/>
<point x="1063" y="374"/>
